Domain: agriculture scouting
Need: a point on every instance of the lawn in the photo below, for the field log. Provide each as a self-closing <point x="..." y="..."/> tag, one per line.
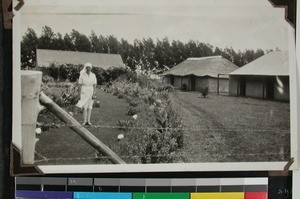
<point x="228" y="129"/>
<point x="217" y="128"/>
<point x="63" y="146"/>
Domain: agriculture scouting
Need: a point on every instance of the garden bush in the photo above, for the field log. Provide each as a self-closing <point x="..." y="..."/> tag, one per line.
<point x="63" y="94"/>
<point x="62" y="72"/>
<point x="204" y="91"/>
<point x="125" y="125"/>
<point x="132" y="110"/>
<point x="71" y="72"/>
<point x="157" y="134"/>
<point x="47" y="79"/>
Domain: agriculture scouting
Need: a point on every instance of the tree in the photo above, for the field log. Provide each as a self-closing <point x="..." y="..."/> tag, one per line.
<point x="113" y="44"/>
<point x="147" y="53"/>
<point x="191" y="49"/>
<point x="29" y="45"/>
<point x="217" y="51"/>
<point x="58" y="42"/>
<point x="205" y="49"/>
<point x="127" y="54"/>
<point x="68" y="43"/>
<point x="95" y="43"/>
<point x="163" y="54"/>
<point x="179" y="52"/>
<point x="103" y="44"/>
<point x="46" y="40"/>
<point x="80" y="41"/>
<point x="258" y="53"/>
<point x="248" y="56"/>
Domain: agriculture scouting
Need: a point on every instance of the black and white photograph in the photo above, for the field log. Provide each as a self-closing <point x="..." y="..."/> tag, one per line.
<point x="136" y="82"/>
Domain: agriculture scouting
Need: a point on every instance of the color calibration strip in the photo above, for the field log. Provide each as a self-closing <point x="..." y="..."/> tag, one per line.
<point x="141" y="188"/>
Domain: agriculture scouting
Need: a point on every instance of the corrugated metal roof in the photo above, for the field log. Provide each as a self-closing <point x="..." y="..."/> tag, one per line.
<point x="203" y="66"/>
<point x="101" y="60"/>
<point x="274" y="63"/>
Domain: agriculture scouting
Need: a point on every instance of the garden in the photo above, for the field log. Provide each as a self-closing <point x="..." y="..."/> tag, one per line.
<point x="145" y="129"/>
<point x="146" y="121"/>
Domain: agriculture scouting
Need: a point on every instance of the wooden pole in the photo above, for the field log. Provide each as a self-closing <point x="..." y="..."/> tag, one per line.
<point x="218" y="84"/>
<point x="79" y="129"/>
<point x="30" y="91"/>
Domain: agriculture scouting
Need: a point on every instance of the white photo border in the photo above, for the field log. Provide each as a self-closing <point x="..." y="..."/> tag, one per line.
<point x="176" y="167"/>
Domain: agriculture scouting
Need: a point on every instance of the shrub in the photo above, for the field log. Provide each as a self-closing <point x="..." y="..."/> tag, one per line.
<point x="99" y="73"/>
<point x="157" y="135"/>
<point x="204" y="91"/>
<point x="47" y="79"/>
<point x="62" y="72"/>
<point x="184" y="87"/>
<point x="97" y="104"/>
<point x="125" y="124"/>
<point x="148" y="143"/>
<point x="165" y="87"/>
<point x="132" y="110"/>
<point x="62" y="96"/>
<point x="120" y="95"/>
<point x="133" y="101"/>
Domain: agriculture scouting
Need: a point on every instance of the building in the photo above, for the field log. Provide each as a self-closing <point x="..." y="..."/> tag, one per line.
<point x="45" y="58"/>
<point x="194" y="74"/>
<point x="266" y="77"/>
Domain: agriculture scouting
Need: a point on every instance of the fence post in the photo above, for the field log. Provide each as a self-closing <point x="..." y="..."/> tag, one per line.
<point x="30" y="107"/>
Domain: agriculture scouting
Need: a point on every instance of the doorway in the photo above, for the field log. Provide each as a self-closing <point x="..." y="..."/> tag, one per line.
<point x="269" y="82"/>
<point x="193" y="83"/>
<point x="172" y="80"/>
<point x="243" y="86"/>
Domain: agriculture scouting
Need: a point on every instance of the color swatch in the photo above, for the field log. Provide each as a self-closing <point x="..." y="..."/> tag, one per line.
<point x="141" y="188"/>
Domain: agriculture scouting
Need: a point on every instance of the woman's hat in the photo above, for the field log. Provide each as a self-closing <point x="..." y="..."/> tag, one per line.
<point x="88" y="65"/>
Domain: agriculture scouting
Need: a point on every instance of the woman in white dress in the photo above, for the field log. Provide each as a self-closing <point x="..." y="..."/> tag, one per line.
<point x="87" y="90"/>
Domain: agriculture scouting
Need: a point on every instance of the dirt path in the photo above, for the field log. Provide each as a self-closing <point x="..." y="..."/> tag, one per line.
<point x="63" y="146"/>
<point x="223" y="128"/>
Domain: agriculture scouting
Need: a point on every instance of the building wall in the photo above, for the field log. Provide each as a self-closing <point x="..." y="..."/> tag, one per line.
<point x="234" y="85"/>
<point x="201" y="82"/>
<point x="256" y="87"/>
<point x="177" y="82"/>
<point x="223" y="85"/>
<point x="187" y="81"/>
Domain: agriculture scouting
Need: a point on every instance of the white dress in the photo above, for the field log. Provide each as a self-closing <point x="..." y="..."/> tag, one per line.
<point x="87" y="90"/>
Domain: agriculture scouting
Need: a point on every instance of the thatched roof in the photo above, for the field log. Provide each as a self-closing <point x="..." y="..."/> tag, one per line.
<point x="272" y="64"/>
<point x="204" y="66"/>
<point x="101" y="60"/>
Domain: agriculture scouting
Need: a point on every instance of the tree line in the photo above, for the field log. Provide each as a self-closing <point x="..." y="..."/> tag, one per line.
<point x="152" y="55"/>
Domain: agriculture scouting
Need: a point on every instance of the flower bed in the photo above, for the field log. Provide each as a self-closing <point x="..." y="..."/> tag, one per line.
<point x="156" y="135"/>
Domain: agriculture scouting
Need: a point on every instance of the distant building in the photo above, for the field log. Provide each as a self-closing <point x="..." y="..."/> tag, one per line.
<point x="266" y="77"/>
<point x="45" y="58"/>
<point x="195" y="74"/>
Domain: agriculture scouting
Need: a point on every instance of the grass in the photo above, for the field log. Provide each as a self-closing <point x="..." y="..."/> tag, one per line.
<point x="217" y="129"/>
<point x="63" y="146"/>
<point x="230" y="129"/>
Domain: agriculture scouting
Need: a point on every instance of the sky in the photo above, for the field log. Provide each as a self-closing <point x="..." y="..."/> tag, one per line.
<point x="241" y="24"/>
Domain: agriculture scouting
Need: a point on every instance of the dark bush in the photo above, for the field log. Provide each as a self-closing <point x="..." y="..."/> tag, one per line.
<point x="204" y="91"/>
<point x="113" y="73"/>
<point x="63" y="96"/>
<point x="47" y="79"/>
<point x="62" y="72"/>
<point x="132" y="110"/>
<point x="184" y="87"/>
